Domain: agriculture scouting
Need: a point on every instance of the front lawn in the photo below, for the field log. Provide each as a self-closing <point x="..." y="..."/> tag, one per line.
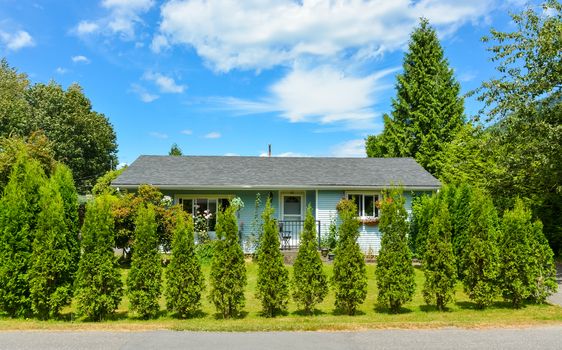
<point x="414" y="315"/>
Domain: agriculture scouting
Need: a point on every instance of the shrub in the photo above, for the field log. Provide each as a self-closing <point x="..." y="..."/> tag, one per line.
<point x="481" y="254"/>
<point x="309" y="281"/>
<point x="19" y="207"/>
<point x="185" y="281"/>
<point x="350" y="275"/>
<point x="145" y="277"/>
<point x="460" y="217"/>
<point x="273" y="277"/>
<point x="394" y="271"/>
<point x="439" y="262"/>
<point x="228" y="269"/>
<point x="50" y="275"/>
<point x="98" y="283"/>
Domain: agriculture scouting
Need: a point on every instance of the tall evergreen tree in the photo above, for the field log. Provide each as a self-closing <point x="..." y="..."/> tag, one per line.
<point x="394" y="271"/>
<point x="62" y="177"/>
<point x="228" y="268"/>
<point x="175" y="150"/>
<point x="145" y="277"/>
<point x="185" y="281"/>
<point x="273" y="276"/>
<point x="517" y="259"/>
<point x="98" y="285"/>
<point x="427" y="111"/>
<point x="350" y="273"/>
<point x="50" y="275"/>
<point x="481" y="254"/>
<point x="439" y="262"/>
<point x="309" y="281"/>
<point x="544" y="270"/>
<point x="19" y="207"/>
<point x="460" y="217"/>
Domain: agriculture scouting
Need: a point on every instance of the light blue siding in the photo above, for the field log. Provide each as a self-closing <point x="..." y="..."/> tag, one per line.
<point x="324" y="208"/>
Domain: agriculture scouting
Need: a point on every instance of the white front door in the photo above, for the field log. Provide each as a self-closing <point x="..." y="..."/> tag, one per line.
<point x="292" y="205"/>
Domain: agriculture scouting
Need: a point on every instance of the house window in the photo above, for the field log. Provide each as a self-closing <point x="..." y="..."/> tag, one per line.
<point x="366" y="203"/>
<point x="198" y="205"/>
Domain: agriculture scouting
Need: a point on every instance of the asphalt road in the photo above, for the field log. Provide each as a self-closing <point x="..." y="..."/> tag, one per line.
<point x="524" y="338"/>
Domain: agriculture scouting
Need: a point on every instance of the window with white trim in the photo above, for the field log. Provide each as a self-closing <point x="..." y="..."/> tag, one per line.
<point x="366" y="203"/>
<point x="196" y="205"/>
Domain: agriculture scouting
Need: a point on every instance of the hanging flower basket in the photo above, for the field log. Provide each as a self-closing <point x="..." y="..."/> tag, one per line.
<point x="369" y="220"/>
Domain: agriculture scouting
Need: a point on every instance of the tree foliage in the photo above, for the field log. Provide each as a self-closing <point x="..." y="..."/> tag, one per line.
<point x="427" y="111"/>
<point x="228" y="269"/>
<point x="144" y="281"/>
<point x="19" y="209"/>
<point x="394" y="271"/>
<point x="273" y="277"/>
<point x="184" y="278"/>
<point x="544" y="270"/>
<point x="310" y="285"/>
<point x="81" y="138"/>
<point x="98" y="285"/>
<point x="350" y="275"/>
<point x="51" y="271"/>
<point x="103" y="183"/>
<point x="175" y="150"/>
<point x="481" y="254"/>
<point x="525" y="103"/>
<point x="439" y="261"/>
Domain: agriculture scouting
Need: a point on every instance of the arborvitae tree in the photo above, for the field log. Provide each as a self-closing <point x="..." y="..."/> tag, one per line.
<point x="50" y="274"/>
<point x="428" y="109"/>
<point x="544" y="270"/>
<point x="460" y="216"/>
<point x="423" y="209"/>
<point x="19" y="207"/>
<point x="228" y="269"/>
<point x="185" y="281"/>
<point x="273" y="277"/>
<point x="439" y="262"/>
<point x="394" y="271"/>
<point x="145" y="277"/>
<point x="309" y="281"/>
<point x="350" y="273"/>
<point x="175" y="150"/>
<point x="481" y="254"/>
<point x="98" y="285"/>
<point x="65" y="183"/>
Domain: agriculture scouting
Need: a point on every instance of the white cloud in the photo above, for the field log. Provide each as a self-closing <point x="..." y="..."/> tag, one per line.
<point x="351" y="148"/>
<point x="80" y="59"/>
<point x="164" y="83"/>
<point x="61" y="70"/>
<point x="144" y="95"/>
<point x="186" y="132"/>
<point x="159" y="43"/>
<point x="17" y="40"/>
<point x="86" y="27"/>
<point x="158" y="135"/>
<point x="213" y="135"/>
<point x="321" y="95"/>
<point x="122" y="18"/>
<point x="231" y="155"/>
<point x="232" y="34"/>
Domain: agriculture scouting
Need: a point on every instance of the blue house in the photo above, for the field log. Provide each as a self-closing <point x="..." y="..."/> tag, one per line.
<point x="200" y="183"/>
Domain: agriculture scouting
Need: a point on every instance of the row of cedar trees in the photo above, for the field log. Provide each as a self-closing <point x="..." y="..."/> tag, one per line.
<point x="457" y="232"/>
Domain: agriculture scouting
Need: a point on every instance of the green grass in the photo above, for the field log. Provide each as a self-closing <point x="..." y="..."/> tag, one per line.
<point x="415" y="314"/>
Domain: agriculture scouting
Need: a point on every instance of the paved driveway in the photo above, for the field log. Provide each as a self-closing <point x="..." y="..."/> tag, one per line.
<point x="525" y="338"/>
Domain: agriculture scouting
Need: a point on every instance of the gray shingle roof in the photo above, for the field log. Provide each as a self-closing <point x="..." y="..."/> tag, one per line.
<point x="275" y="172"/>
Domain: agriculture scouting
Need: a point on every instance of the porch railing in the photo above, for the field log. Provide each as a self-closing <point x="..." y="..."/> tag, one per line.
<point x="290" y="232"/>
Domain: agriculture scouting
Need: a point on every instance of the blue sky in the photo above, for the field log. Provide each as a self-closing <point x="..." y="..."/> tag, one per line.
<point x="218" y="77"/>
